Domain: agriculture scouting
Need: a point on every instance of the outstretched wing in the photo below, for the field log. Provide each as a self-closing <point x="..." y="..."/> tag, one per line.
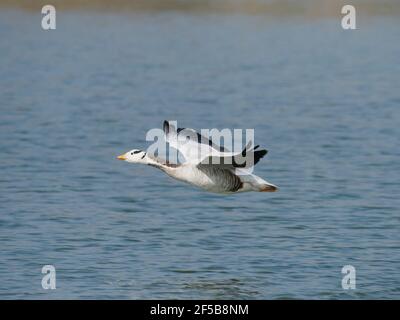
<point x="248" y="158"/>
<point x="198" y="149"/>
<point x="192" y="145"/>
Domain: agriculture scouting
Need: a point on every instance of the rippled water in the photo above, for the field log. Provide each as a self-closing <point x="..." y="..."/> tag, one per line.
<point x="324" y="101"/>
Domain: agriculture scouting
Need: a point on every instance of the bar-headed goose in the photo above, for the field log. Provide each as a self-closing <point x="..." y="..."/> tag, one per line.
<point x="207" y="165"/>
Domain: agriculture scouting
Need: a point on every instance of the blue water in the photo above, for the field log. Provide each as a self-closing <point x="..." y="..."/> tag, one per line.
<point x="324" y="102"/>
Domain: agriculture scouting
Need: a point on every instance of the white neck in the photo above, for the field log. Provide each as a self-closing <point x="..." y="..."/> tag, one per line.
<point x="152" y="161"/>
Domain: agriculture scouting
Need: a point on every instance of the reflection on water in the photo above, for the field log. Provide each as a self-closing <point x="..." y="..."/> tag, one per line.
<point x="323" y="101"/>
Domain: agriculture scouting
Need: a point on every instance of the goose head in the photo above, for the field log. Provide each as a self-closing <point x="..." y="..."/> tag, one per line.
<point x="134" y="156"/>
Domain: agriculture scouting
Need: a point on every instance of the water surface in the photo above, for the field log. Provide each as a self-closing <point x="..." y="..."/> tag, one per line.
<point x="324" y="101"/>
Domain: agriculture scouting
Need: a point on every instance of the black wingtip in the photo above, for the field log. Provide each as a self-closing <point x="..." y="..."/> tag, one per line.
<point x="262" y="152"/>
<point x="166" y="126"/>
<point x="259" y="154"/>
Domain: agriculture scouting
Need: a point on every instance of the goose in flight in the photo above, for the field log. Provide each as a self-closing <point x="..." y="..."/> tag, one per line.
<point x="207" y="165"/>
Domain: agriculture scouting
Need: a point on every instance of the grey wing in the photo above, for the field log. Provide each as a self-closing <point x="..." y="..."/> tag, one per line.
<point x="202" y="139"/>
<point x="247" y="158"/>
<point x="222" y="177"/>
<point x="170" y="130"/>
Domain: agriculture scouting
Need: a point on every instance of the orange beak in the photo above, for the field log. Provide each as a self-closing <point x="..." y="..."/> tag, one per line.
<point x="121" y="157"/>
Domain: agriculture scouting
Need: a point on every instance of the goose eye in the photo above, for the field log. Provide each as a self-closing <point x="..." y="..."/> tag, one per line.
<point x="131" y="153"/>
